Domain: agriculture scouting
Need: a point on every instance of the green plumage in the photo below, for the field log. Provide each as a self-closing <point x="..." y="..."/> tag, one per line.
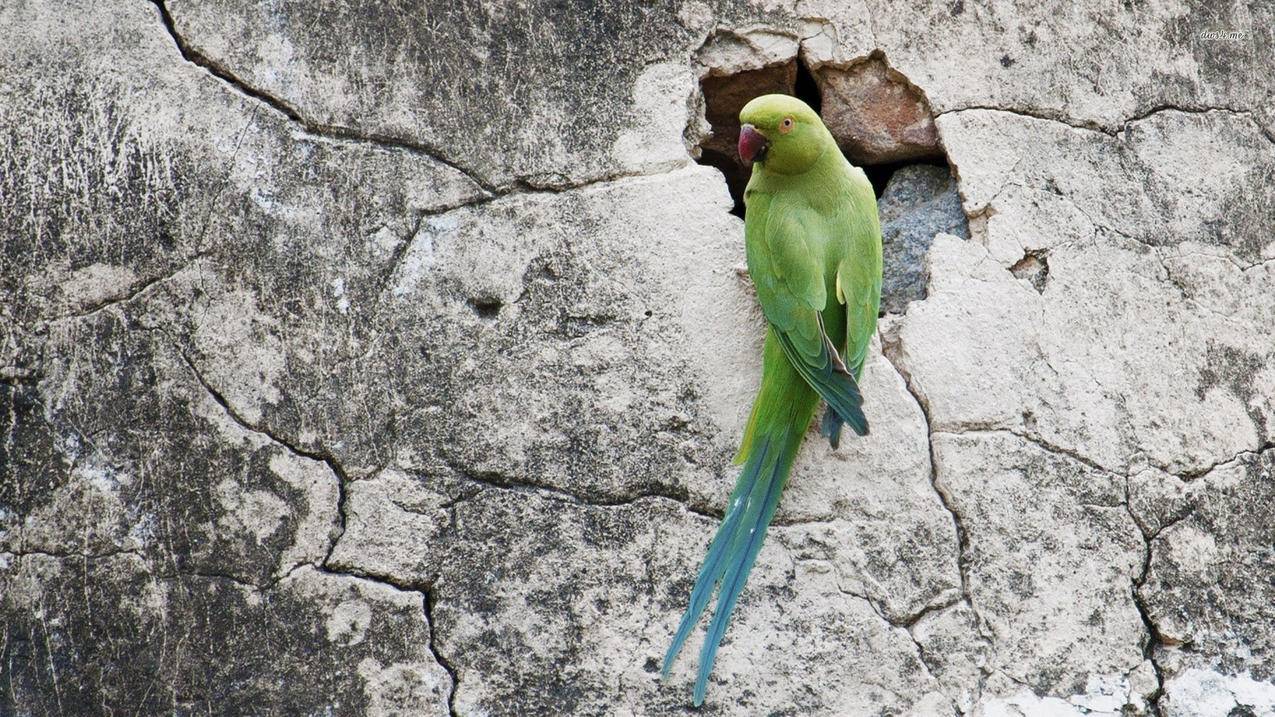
<point x="813" y="242"/>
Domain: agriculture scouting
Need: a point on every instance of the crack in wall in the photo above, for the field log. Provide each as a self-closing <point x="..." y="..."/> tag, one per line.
<point x="429" y="598"/>
<point x="1059" y="117"/>
<point x="1180" y="286"/>
<point x="938" y="603"/>
<point x="1227" y="257"/>
<point x="1155" y="640"/>
<point x="949" y="504"/>
<point x="518" y="189"/>
<point x="499" y="481"/>
<point x="131" y="293"/>
<point x="1188" y="476"/>
<point x="430" y="603"/>
<point x="906" y="629"/>
<point x="321" y="454"/>
<point x="489" y="191"/>
<point x="503" y="483"/>
<point x="338" y="132"/>
<point x="1039" y="442"/>
<point x="1050" y="447"/>
<point x="910" y="621"/>
<point x="1158" y="251"/>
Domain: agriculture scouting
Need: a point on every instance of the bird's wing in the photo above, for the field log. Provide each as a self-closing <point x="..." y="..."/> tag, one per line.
<point x="859" y="278"/>
<point x="789" y="278"/>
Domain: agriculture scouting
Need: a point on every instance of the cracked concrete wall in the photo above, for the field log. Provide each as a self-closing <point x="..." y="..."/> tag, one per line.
<point x="389" y="360"/>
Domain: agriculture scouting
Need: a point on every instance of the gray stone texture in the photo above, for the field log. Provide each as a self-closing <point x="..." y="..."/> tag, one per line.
<point x="920" y="202"/>
<point x="367" y="358"/>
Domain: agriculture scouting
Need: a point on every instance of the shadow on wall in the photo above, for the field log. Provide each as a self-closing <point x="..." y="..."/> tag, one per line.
<point x="883" y="123"/>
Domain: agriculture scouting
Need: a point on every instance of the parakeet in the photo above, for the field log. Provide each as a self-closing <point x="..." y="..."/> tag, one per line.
<point x="813" y="242"/>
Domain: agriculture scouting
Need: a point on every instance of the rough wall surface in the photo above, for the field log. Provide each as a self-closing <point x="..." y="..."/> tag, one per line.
<point x="388" y="358"/>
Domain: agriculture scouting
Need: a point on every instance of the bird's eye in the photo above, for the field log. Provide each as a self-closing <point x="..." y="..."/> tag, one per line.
<point x="786" y="126"/>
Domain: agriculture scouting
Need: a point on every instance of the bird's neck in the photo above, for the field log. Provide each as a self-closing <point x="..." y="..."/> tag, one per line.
<point x="827" y="170"/>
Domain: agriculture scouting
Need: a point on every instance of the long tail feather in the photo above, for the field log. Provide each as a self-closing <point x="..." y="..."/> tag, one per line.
<point x="734" y="549"/>
<point x="782" y="412"/>
<point x="749" y="535"/>
<point x="714" y="565"/>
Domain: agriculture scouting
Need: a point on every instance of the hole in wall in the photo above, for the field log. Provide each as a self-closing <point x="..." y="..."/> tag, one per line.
<point x="1034" y="267"/>
<point x="486" y="307"/>
<point x="883" y="124"/>
<point x="724" y="96"/>
<point x="806" y="87"/>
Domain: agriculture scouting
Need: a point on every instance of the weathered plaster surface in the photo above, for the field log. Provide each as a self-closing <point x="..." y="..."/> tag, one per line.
<point x="381" y="359"/>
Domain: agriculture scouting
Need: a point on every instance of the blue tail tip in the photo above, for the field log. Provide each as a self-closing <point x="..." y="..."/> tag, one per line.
<point x="698" y="699"/>
<point x="830" y="428"/>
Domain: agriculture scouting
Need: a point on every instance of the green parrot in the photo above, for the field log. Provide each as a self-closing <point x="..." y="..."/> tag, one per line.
<point x="813" y="241"/>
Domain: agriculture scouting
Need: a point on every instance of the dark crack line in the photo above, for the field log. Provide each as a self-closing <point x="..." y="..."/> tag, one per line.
<point x="1157" y="109"/>
<point x="949" y="504"/>
<point x="498" y="481"/>
<point x="321" y="454"/>
<point x="907" y="622"/>
<point x="495" y="481"/>
<point x="1043" y="115"/>
<point x="1049" y="447"/>
<point x="341" y="514"/>
<point x="962" y="534"/>
<point x="1188" y="476"/>
<point x="337" y="132"/>
<point x="1059" y="117"/>
<point x="1040" y="443"/>
<point x="1155" y="639"/>
<point x="389" y="579"/>
<point x="489" y="192"/>
<point x="519" y="188"/>
<point x="399" y="254"/>
<point x="428" y="602"/>
<point x="431" y="602"/>
<point x="131" y="294"/>
<point x="910" y="621"/>
<point x="921" y="654"/>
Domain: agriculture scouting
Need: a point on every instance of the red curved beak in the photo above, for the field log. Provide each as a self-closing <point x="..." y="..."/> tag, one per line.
<point x="752" y="145"/>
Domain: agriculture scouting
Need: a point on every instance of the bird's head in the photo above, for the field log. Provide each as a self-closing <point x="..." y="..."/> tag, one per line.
<point x="781" y="132"/>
